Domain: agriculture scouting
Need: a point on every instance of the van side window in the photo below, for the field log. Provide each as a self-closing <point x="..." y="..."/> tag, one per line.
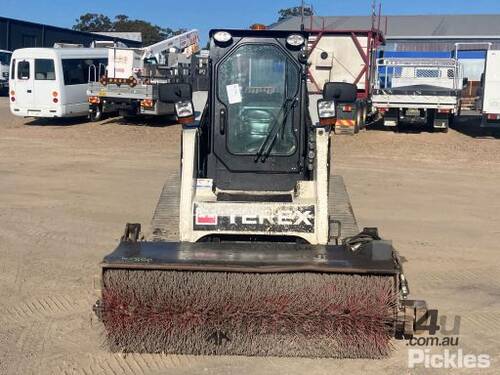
<point x="76" y="71"/>
<point x="13" y="69"/>
<point x="44" y="70"/>
<point x="73" y="72"/>
<point x="23" y="70"/>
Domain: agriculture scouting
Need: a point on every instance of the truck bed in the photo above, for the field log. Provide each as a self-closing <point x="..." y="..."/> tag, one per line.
<point x="419" y="90"/>
<point x="138" y="92"/>
<point x="416" y="96"/>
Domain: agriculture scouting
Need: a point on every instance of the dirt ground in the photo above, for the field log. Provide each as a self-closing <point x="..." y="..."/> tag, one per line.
<point x="68" y="187"/>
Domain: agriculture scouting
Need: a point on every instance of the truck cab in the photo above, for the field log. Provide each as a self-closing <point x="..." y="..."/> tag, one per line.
<point x="5" y="57"/>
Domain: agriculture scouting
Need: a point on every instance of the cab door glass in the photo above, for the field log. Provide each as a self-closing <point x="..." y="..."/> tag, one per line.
<point x="257" y="84"/>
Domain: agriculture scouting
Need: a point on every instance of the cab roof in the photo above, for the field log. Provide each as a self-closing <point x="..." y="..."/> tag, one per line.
<point x="242" y="33"/>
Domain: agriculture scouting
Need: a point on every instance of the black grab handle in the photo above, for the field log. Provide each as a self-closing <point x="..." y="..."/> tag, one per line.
<point x="223" y="121"/>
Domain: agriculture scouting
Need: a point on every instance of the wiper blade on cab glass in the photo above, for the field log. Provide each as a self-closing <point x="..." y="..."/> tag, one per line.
<point x="267" y="145"/>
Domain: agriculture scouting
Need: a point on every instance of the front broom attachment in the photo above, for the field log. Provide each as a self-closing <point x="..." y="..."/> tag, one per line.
<point x="255" y="299"/>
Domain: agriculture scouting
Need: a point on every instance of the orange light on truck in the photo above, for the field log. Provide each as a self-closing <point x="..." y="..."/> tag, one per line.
<point x="328" y="121"/>
<point x="94" y="100"/>
<point x="55" y="94"/>
<point x="147" y="103"/>
<point x="258" y="27"/>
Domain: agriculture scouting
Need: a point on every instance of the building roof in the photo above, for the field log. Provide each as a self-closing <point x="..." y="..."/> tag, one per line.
<point x="407" y="27"/>
<point x="48" y="33"/>
<point x="129" y="35"/>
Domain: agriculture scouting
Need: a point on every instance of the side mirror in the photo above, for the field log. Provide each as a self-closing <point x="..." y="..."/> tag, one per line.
<point x="175" y="92"/>
<point x="465" y="82"/>
<point x="341" y="92"/>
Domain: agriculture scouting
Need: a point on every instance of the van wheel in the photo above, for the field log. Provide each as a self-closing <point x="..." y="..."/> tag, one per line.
<point x="96" y="114"/>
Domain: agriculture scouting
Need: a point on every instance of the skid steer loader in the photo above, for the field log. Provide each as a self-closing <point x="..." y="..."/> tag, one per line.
<point x="254" y="249"/>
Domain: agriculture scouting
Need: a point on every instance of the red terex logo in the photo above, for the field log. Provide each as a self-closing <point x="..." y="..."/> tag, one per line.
<point x="206" y="219"/>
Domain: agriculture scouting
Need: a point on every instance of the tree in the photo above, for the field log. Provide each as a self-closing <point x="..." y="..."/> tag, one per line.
<point x="150" y="33"/>
<point x="122" y="23"/>
<point x="294" y="12"/>
<point x="93" y="22"/>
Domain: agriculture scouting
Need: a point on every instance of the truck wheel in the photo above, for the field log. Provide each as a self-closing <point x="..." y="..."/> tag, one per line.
<point x="431" y="116"/>
<point x="359" y="118"/>
<point x="451" y="121"/>
<point x="96" y="114"/>
<point x="365" y="113"/>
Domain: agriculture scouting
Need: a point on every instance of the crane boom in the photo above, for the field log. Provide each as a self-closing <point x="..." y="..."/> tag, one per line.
<point x="187" y="42"/>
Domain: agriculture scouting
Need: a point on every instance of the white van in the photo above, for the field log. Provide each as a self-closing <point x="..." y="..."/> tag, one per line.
<point x="52" y="82"/>
<point x="490" y="106"/>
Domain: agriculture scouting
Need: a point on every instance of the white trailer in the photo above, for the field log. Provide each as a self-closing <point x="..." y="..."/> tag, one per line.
<point x="418" y="90"/>
<point x="4" y="69"/>
<point x="346" y="57"/>
<point x="52" y="82"/>
<point x="490" y="103"/>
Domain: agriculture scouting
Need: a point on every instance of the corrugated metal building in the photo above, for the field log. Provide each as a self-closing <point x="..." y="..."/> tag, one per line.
<point x="412" y="33"/>
<point x="420" y="35"/>
<point x="130" y="35"/>
<point x="16" y="34"/>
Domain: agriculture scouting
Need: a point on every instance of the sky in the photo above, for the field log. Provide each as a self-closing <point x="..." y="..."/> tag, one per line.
<point x="206" y="14"/>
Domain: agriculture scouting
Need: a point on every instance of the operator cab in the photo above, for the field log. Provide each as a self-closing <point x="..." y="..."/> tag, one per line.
<point x="255" y="128"/>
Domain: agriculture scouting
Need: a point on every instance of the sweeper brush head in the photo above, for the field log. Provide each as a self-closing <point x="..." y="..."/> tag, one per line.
<point x="300" y="314"/>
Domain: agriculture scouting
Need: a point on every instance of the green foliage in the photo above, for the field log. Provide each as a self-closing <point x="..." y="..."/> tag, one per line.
<point x="93" y="22"/>
<point x="122" y="23"/>
<point x="294" y="11"/>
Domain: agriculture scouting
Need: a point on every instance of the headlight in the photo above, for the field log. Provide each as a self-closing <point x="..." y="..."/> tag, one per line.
<point x="222" y="36"/>
<point x="184" y="109"/>
<point x="295" y="40"/>
<point x="326" y="109"/>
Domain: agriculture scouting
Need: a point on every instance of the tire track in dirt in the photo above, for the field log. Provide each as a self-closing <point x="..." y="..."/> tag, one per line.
<point x="483" y="321"/>
<point x="42" y="308"/>
<point x="462" y="277"/>
<point x="32" y="343"/>
<point x="127" y="364"/>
